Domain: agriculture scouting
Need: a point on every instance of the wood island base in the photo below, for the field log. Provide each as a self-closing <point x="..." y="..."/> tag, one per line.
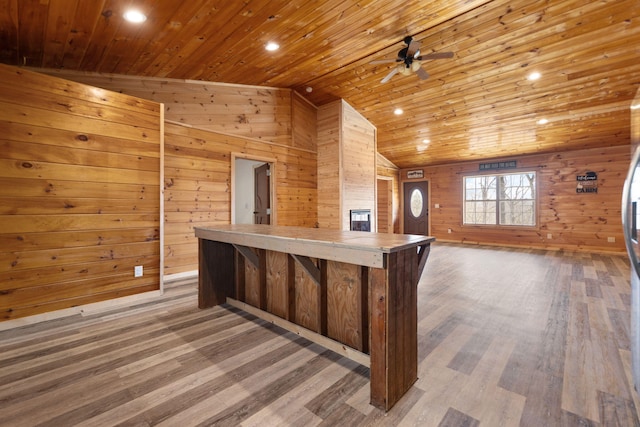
<point x="352" y="292"/>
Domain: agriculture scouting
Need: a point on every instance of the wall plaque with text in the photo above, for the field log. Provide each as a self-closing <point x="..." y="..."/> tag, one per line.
<point x="587" y="183"/>
<point x="498" y="165"/>
<point x="415" y="174"/>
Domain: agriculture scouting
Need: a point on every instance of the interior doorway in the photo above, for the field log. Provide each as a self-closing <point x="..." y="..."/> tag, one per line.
<point x="416" y="207"/>
<point x="252" y="191"/>
<point x="262" y="195"/>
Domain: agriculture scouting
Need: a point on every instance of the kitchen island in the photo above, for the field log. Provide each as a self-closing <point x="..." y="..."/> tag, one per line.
<point x="353" y="292"/>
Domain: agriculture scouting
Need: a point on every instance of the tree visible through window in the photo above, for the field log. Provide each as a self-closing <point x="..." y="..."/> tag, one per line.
<point x="505" y="199"/>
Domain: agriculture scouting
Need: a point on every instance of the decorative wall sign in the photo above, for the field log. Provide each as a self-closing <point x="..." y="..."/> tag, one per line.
<point x="415" y="174"/>
<point x="587" y="183"/>
<point x="498" y="165"/>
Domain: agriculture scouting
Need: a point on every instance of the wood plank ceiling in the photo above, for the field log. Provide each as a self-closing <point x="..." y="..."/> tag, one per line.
<point x="476" y="105"/>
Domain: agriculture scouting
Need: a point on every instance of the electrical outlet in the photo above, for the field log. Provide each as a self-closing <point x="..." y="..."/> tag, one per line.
<point x="611" y="239"/>
<point x="137" y="271"/>
<point x="449" y="230"/>
<point x="437" y="206"/>
<point x="549" y="236"/>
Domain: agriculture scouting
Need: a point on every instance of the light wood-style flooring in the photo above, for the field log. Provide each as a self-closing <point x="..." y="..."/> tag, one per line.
<point x="506" y="338"/>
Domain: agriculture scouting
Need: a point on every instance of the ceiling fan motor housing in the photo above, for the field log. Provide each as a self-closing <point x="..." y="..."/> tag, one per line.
<point x="409" y="60"/>
<point x="402" y="54"/>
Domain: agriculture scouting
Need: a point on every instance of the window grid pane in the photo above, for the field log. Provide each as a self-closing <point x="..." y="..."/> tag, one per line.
<point x="480" y="212"/>
<point x="507" y="199"/>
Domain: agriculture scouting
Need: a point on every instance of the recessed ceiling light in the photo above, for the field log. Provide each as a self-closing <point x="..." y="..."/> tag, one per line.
<point x="134" y="16"/>
<point x="271" y="46"/>
<point x="398" y="111"/>
<point x="534" y="76"/>
<point x="543" y="121"/>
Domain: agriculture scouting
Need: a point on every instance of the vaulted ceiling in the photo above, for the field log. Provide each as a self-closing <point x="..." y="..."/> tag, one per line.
<point x="477" y="105"/>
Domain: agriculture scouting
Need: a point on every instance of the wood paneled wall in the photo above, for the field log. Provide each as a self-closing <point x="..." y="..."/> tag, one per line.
<point x="388" y="170"/>
<point x="80" y="193"/>
<point x="256" y="112"/>
<point x="574" y="221"/>
<point x="329" y="197"/>
<point x="221" y="119"/>
<point x="384" y="204"/>
<point x="198" y="180"/>
<point x="304" y="123"/>
<point x="358" y="165"/>
<point x="346" y="165"/>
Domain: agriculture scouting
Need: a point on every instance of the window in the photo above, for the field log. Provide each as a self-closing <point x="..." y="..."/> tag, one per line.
<point x="416" y="203"/>
<point x="505" y="199"/>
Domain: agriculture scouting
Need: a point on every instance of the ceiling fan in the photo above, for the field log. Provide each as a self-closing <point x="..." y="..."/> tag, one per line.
<point x="410" y="60"/>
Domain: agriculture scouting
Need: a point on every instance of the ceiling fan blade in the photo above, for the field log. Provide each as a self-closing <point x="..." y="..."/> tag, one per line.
<point x="414" y="46"/>
<point x="391" y="74"/>
<point x="383" y="61"/>
<point x="422" y="74"/>
<point x="436" y="55"/>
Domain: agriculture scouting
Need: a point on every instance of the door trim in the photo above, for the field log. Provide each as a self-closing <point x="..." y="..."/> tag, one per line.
<point x="272" y="183"/>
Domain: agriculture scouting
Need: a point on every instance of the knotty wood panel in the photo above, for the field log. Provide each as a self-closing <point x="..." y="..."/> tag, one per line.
<point x="276" y="115"/>
<point x="384" y="206"/>
<point x="329" y="167"/>
<point x="358" y="165"/>
<point x="80" y="169"/>
<point x="386" y="169"/>
<point x="574" y="221"/>
<point x="197" y="187"/>
<point x="252" y="284"/>
<point x="198" y="174"/>
<point x="346" y="165"/>
<point x="307" y="299"/>
<point x="277" y="283"/>
<point x="263" y="113"/>
<point x="386" y="209"/>
<point x="343" y="294"/>
<point x="304" y="122"/>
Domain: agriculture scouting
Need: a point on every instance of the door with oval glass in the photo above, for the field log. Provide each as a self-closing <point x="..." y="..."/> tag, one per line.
<point x="416" y="207"/>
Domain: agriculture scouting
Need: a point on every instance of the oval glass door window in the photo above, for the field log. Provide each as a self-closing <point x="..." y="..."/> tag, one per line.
<point x="416" y="202"/>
